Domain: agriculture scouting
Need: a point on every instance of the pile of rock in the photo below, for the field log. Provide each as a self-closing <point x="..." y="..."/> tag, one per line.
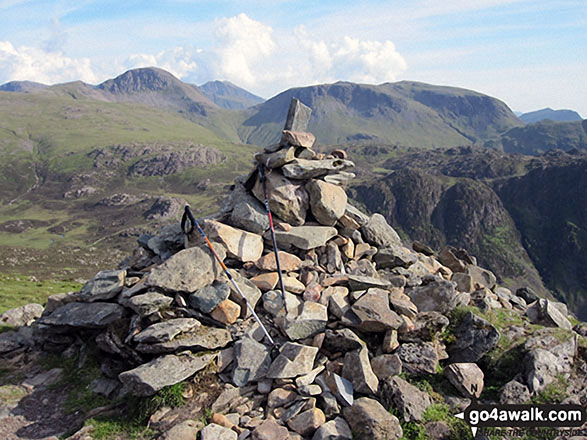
<point x="359" y="309"/>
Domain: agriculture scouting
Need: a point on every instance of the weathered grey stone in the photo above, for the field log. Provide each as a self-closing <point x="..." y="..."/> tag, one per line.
<point x="269" y="429"/>
<point x="545" y="312"/>
<point x="357" y="369"/>
<point x="360" y="282"/>
<point x="305" y="237"/>
<point x="166" y="330"/>
<point x="250" y="292"/>
<point x="207" y="298"/>
<point x="401" y="303"/>
<point x="341" y="388"/>
<point x="342" y="340"/>
<point x="298" y="116"/>
<point x="527" y="295"/>
<point x="277" y="158"/>
<point x="239" y="244"/>
<point x="337" y="429"/>
<point x="437" y="296"/>
<point x="379" y="233"/>
<point x="106" y="284"/>
<point x="188" y="270"/>
<point x="147" y="379"/>
<point x="186" y="430"/>
<point x="293" y="360"/>
<point x="386" y="366"/>
<point x="467" y="378"/>
<point x="418" y="358"/>
<point x="311" y="320"/>
<point x="217" y="432"/>
<point x="368" y="419"/>
<point x="307" y="422"/>
<point x="407" y="398"/>
<point x="303" y="169"/>
<point x="395" y="256"/>
<point x="327" y="201"/>
<point x="287" y="200"/>
<point x="149" y="303"/>
<point x="374" y="313"/>
<point x="341" y="178"/>
<point x="105" y="387"/>
<point x="464" y="282"/>
<point x="23" y="315"/>
<point x="251" y="361"/>
<point x="481" y="277"/>
<point x="85" y="315"/>
<point x="474" y="337"/>
<point x="12" y="340"/>
<point x="298" y="139"/>
<point x="250" y="215"/>
<point x="548" y="358"/>
<point x="427" y="327"/>
<point x="199" y="338"/>
<point x="514" y="393"/>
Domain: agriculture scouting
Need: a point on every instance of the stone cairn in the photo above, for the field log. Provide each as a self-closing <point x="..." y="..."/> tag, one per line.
<point x="359" y="309"/>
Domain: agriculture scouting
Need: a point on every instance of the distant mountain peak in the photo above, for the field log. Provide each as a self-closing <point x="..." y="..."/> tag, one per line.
<point x="22" y="86"/>
<point x="140" y="80"/>
<point x="548" y="113"/>
<point x="230" y="96"/>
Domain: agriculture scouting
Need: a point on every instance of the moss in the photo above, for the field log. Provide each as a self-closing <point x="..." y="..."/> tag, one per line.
<point x="554" y="392"/>
<point x="114" y="429"/>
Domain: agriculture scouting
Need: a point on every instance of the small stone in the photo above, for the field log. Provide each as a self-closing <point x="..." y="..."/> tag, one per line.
<point x="21" y="316"/>
<point x="293" y="285"/>
<point x="277" y="158"/>
<point x="514" y="393"/>
<point x="341" y="388"/>
<point x="311" y="320"/>
<point x="386" y="366"/>
<point x="266" y="281"/>
<point x="379" y="233"/>
<point x="166" y="330"/>
<point x="437" y="296"/>
<point x="288" y="262"/>
<point x="280" y="397"/>
<point x="305" y="237"/>
<point x="227" y="312"/>
<point x="242" y="245"/>
<point x="327" y="201"/>
<point x="390" y="342"/>
<point x="250" y="215"/>
<point x="474" y="337"/>
<point x="249" y="290"/>
<point x="418" y="358"/>
<point x="374" y="313"/>
<point x="298" y="116"/>
<point x="307" y="422"/>
<point x="85" y="315"/>
<point x="464" y="282"/>
<point x="407" y="398"/>
<point x="359" y="282"/>
<point x="186" y="430"/>
<point x="303" y="169"/>
<point x="297" y="138"/>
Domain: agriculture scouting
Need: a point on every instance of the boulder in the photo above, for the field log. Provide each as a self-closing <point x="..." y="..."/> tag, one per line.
<point x="305" y="237"/>
<point x="20" y="316"/>
<point x="106" y="284"/>
<point x="251" y="361"/>
<point x="311" y="320"/>
<point x="239" y="244"/>
<point x="368" y="419"/>
<point x="327" y="201"/>
<point x="188" y="270"/>
<point x="148" y="303"/>
<point x="287" y="200"/>
<point x="357" y="369"/>
<point x="85" y="315"/>
<point x="250" y="215"/>
<point x="166" y="330"/>
<point x="374" y="313"/>
<point x="467" y="378"/>
<point x="197" y="339"/>
<point x="407" y="398"/>
<point x="473" y="338"/>
<point x="293" y="360"/>
<point x="379" y="233"/>
<point x="418" y="358"/>
<point x="146" y="379"/>
<point x="207" y="298"/>
<point x="437" y="296"/>
<point x="337" y="429"/>
<point x="303" y="169"/>
<point x="546" y="312"/>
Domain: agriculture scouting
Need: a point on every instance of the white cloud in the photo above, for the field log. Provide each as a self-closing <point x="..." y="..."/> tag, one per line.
<point x="33" y="64"/>
<point x="180" y="61"/>
<point x="242" y="44"/>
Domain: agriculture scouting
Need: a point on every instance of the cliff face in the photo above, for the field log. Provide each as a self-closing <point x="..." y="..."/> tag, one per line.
<point x="524" y="218"/>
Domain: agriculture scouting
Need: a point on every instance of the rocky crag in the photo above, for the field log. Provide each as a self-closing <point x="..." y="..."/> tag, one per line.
<point x="374" y="339"/>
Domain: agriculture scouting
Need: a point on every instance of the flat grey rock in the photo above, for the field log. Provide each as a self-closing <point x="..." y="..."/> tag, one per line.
<point x="85" y="315"/>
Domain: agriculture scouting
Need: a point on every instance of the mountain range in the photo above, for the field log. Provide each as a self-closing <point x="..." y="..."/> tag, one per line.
<point x="81" y="164"/>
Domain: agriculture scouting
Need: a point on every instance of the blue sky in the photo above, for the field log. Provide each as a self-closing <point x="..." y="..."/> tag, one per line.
<point x="529" y="53"/>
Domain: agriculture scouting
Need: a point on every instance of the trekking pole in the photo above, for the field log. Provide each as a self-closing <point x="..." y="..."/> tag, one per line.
<point x="189" y="217"/>
<point x="263" y="184"/>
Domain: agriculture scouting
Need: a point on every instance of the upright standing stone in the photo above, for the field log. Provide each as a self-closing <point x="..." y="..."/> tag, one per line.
<point x="298" y="116"/>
